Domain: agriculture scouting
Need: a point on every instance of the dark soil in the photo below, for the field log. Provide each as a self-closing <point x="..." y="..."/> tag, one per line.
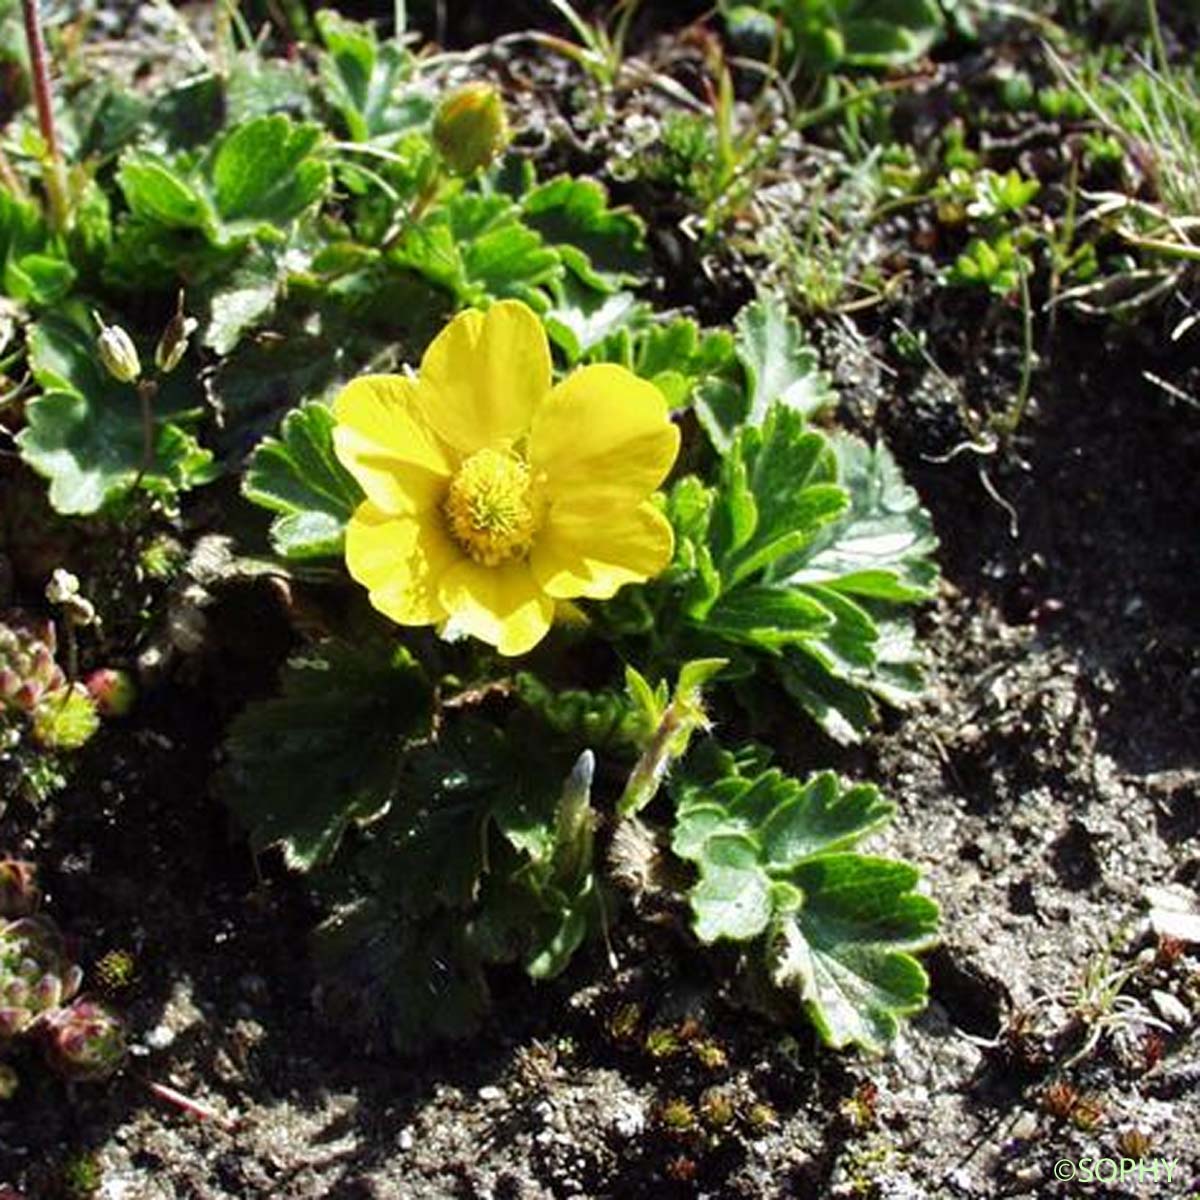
<point x="1049" y="779"/>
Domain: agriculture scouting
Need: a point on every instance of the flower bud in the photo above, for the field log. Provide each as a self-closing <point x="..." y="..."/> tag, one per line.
<point x="754" y="33"/>
<point x="62" y="586"/>
<point x="470" y="128"/>
<point x="173" y="344"/>
<point x="118" y="353"/>
<point x="113" y="691"/>
<point x="574" y="832"/>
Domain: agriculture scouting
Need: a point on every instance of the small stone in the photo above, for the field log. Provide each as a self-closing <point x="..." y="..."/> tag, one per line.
<point x="160" y="1037"/>
<point x="1171" y="1009"/>
<point x="1025" y="1126"/>
<point x="406" y="1139"/>
<point x="629" y="1120"/>
<point x="1172" y="913"/>
<point x="490" y="1094"/>
<point x="962" y="1181"/>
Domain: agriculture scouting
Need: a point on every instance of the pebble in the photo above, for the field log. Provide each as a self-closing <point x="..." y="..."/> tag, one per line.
<point x="160" y="1037"/>
<point x="1025" y="1126"/>
<point x="629" y="1120"/>
<point x="1171" y="1009"/>
<point x="490" y="1094"/>
<point x="406" y="1138"/>
<point x="962" y="1181"/>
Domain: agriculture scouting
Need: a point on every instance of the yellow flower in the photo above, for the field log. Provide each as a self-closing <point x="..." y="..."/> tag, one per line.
<point x="491" y="493"/>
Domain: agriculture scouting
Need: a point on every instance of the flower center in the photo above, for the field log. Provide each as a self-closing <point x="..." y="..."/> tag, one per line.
<point x="490" y="507"/>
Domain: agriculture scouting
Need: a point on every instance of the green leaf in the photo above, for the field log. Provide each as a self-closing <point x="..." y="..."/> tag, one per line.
<point x="364" y="80"/>
<point x="107" y="116"/>
<point x="299" y="477"/>
<point x="258" y="382"/>
<point x="265" y="174"/>
<point x="257" y="86"/>
<point x="889" y="33"/>
<point x="605" y="247"/>
<point x="781" y="367"/>
<point x="158" y="195"/>
<point x="786" y="820"/>
<point x="844" y="953"/>
<point x="405" y="982"/>
<point x="509" y="263"/>
<point x="803" y="551"/>
<point x="28" y="271"/>
<point x="476" y="247"/>
<point x="39" y="278"/>
<point x="767" y="617"/>
<point x="682" y="361"/>
<point x="860" y="33"/>
<point x="240" y="300"/>
<point x="84" y="433"/>
<point x="325" y="754"/>
<point x="869" y="652"/>
<point x="778" y="488"/>
<point x="733" y="897"/>
<point x="832" y="927"/>
<point x="431" y="850"/>
<point x="843" y="709"/>
<point x="583" y="317"/>
<point x="598" y="719"/>
<point x="881" y="547"/>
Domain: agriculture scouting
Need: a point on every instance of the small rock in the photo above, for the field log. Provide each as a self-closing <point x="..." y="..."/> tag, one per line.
<point x="1172" y="914"/>
<point x="406" y="1139"/>
<point x="1025" y="1126"/>
<point x="1171" y="1009"/>
<point x="490" y="1094"/>
<point x="160" y="1037"/>
<point x="629" y="1119"/>
<point x="962" y="1181"/>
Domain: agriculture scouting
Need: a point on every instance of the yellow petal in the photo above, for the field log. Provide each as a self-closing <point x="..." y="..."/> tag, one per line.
<point x="383" y="441"/>
<point x="603" y="435"/>
<point x="502" y="606"/>
<point x="593" y="551"/>
<point x="400" y="560"/>
<point x="485" y="375"/>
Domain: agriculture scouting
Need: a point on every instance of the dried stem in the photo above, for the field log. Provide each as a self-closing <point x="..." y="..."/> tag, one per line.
<point x="56" y="172"/>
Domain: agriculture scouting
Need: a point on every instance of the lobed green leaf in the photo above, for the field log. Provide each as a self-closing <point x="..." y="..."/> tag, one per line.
<point x="298" y="476"/>
<point x="325" y="754"/>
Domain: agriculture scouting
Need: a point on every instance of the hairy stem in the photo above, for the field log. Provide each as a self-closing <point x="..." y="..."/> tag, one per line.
<point x="56" y="172"/>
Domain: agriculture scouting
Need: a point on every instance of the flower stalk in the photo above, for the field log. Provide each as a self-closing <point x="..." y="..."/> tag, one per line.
<point x="55" y="169"/>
